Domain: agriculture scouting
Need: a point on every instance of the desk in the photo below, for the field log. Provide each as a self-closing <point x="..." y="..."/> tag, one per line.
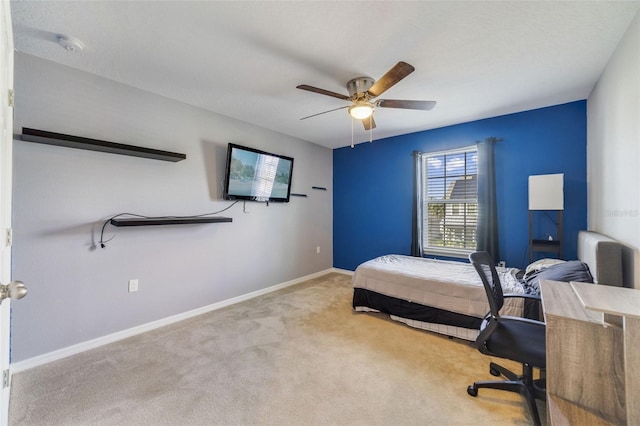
<point x="593" y="342"/>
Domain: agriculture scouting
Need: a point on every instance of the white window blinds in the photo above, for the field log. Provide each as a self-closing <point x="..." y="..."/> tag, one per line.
<point x="450" y="201"/>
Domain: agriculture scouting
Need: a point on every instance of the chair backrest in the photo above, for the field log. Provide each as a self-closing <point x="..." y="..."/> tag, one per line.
<point x="482" y="261"/>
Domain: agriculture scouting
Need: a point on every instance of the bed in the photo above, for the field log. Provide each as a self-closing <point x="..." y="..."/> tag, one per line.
<point x="447" y="297"/>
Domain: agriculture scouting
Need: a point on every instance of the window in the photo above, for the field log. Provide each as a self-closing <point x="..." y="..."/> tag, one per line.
<point x="450" y="201"/>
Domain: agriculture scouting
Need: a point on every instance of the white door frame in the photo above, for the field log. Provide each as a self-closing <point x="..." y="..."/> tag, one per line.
<point x="6" y="160"/>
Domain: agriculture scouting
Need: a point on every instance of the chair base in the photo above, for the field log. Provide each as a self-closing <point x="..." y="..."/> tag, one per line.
<point x="523" y="384"/>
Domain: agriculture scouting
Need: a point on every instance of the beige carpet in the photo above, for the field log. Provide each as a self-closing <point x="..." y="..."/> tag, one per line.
<point x="299" y="356"/>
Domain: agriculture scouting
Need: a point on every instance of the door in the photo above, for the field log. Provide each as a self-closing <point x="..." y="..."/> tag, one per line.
<point x="6" y="158"/>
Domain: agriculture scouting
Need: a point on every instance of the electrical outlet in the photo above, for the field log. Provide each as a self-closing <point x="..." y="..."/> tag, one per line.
<point x="133" y="286"/>
<point x="318" y="250"/>
<point x="502" y="264"/>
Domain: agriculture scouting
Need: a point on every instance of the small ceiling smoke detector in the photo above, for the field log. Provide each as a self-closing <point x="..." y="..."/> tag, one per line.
<point x="70" y="44"/>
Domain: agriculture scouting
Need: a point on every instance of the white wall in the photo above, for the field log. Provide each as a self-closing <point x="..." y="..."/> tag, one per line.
<point x="613" y="151"/>
<point x="78" y="292"/>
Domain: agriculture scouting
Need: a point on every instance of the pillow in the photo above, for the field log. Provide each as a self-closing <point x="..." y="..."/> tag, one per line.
<point x="540" y="264"/>
<point x="573" y="270"/>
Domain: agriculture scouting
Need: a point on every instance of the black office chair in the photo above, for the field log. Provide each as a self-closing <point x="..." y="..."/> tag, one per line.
<point x="518" y="339"/>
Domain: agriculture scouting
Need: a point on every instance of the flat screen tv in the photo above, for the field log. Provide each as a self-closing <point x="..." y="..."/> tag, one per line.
<point x="257" y="175"/>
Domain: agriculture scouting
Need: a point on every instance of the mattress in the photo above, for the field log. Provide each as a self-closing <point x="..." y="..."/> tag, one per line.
<point x="445" y="285"/>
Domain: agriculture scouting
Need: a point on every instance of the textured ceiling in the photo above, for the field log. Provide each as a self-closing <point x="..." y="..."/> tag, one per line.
<point x="244" y="59"/>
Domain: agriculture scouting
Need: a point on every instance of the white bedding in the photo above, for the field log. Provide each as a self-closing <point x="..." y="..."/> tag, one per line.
<point x="453" y="286"/>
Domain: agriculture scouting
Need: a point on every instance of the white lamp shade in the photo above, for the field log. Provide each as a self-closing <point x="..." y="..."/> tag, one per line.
<point x="546" y="192"/>
<point x="361" y="110"/>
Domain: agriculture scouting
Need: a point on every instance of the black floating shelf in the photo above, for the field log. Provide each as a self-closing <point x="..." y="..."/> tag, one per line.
<point x="298" y="195"/>
<point x="547" y="243"/>
<point x="69" y="141"/>
<point x="168" y="221"/>
<point x="320" y="188"/>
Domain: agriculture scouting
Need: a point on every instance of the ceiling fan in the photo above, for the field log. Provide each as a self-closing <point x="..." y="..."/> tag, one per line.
<point x="363" y="91"/>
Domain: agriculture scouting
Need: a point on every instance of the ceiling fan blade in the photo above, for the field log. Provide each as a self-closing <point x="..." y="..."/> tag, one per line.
<point x="324" y="112"/>
<point x="396" y="103"/>
<point x="394" y="75"/>
<point x="369" y="123"/>
<point x="323" y="92"/>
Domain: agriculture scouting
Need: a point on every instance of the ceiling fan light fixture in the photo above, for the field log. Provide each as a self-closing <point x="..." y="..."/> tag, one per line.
<point x="361" y="110"/>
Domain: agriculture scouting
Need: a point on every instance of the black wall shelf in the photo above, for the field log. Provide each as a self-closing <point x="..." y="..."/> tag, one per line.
<point x="69" y="141"/>
<point x="545" y="246"/>
<point x="168" y="221"/>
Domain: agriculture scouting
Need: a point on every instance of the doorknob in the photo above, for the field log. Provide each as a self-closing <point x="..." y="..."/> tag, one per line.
<point x="14" y="290"/>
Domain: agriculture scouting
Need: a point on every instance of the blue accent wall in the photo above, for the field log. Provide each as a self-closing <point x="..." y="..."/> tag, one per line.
<point x="373" y="182"/>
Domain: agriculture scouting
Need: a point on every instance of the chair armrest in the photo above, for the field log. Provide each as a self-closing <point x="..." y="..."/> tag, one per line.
<point x="524" y="296"/>
<point x="520" y="319"/>
<point x="535" y="311"/>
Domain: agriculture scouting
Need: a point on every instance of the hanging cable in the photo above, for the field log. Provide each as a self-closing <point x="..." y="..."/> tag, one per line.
<point x="106" y="222"/>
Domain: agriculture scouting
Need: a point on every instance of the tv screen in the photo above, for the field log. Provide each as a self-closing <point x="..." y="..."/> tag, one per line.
<point x="257" y="175"/>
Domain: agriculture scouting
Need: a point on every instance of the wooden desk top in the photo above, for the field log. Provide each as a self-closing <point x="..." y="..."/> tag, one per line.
<point x="559" y="299"/>
<point x="609" y="300"/>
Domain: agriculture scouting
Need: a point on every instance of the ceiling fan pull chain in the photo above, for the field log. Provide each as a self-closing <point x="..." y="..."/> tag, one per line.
<point x="370" y="129"/>
<point x="351" y="132"/>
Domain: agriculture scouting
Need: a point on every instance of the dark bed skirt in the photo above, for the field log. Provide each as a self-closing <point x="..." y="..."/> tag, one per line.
<point x="415" y="311"/>
<point x="410" y="310"/>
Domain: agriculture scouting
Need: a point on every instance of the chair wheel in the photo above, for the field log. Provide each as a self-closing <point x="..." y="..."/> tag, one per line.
<point x="471" y="390"/>
<point x="494" y="372"/>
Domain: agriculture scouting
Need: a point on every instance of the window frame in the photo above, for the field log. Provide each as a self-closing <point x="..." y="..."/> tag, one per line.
<point x="443" y="250"/>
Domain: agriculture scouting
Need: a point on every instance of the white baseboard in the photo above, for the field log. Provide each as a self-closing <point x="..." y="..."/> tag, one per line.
<point x="342" y="271"/>
<point x="114" y="337"/>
